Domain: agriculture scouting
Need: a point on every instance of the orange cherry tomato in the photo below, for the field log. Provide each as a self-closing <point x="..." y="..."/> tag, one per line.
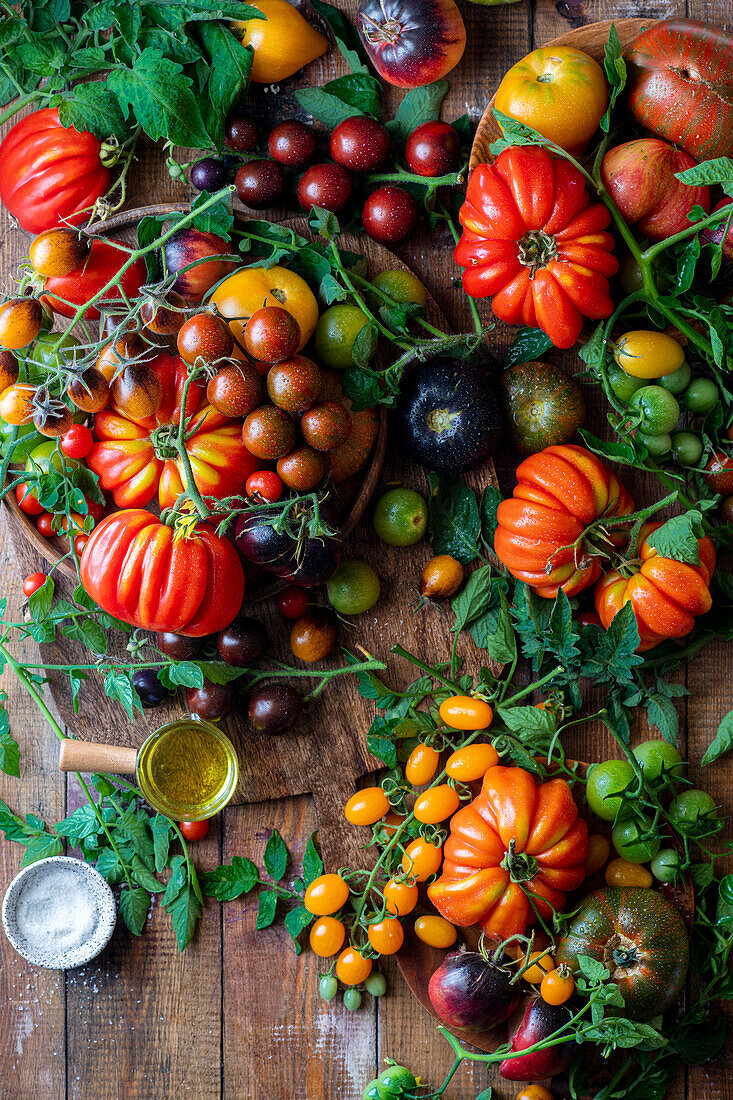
<point x="392" y="822"/>
<point x="16" y="404"/>
<point x="436" y="804"/>
<point x="325" y="895"/>
<point x="366" y="806"/>
<point x="351" y="967"/>
<point x="421" y="765"/>
<point x="557" y="986"/>
<point x="535" y="974"/>
<point x="327" y="936"/>
<point x="422" y="859"/>
<point x="435" y="931"/>
<point x="387" y="936"/>
<point x="464" y="712"/>
<point x="401" y="898"/>
<point x="599" y="849"/>
<point x="622" y="873"/>
<point x="471" y="762"/>
<point x="534" y="1092"/>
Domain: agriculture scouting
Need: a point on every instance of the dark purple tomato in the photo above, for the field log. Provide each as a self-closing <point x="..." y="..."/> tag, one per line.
<point x="241" y="131"/>
<point x="146" y="683"/>
<point x="469" y="990"/>
<point x="184" y="252"/>
<point x="360" y="144"/>
<point x="412" y="42"/>
<point x="292" y="143"/>
<point x="211" y="700"/>
<point x="326" y="185"/>
<point x="259" y="183"/>
<point x="274" y="708"/>
<point x="209" y="174"/>
<point x="540" y="1020"/>
<point x="178" y="646"/>
<point x="390" y="215"/>
<point x="433" y="149"/>
<point x="243" y="642"/>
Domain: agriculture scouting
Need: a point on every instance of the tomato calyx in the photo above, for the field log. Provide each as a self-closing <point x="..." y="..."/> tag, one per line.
<point x="536" y="250"/>
<point x="621" y="956"/>
<point x="164" y="441"/>
<point x="521" y="867"/>
<point x="382" y="34"/>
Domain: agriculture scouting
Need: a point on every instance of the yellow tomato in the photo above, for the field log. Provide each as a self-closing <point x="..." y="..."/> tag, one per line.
<point x="544" y="965"/>
<point x="366" y="806"/>
<point x="327" y="936"/>
<point x="283" y="42"/>
<point x="464" y="712"/>
<point x="557" y="90"/>
<point x="387" y="936"/>
<point x="599" y="849"/>
<point x="421" y="859"/>
<point x="471" y="762"/>
<point x="435" y="931"/>
<point x="250" y="288"/>
<point x="421" y="765"/>
<point x="622" y="873"/>
<point x="436" y="804"/>
<point x="644" y="353"/>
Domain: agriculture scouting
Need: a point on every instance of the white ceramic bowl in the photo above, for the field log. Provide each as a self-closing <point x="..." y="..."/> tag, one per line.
<point x="99" y="891"/>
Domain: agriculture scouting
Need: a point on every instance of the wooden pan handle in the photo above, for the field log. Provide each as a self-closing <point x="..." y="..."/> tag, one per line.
<point x="86" y="756"/>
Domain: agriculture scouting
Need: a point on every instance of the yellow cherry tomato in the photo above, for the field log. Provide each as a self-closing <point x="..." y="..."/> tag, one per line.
<point x="557" y="90"/>
<point x="250" y="288"/>
<point x="401" y="898"/>
<point x="392" y="822"/>
<point x="643" y="353"/>
<point x="622" y="873"/>
<point x="436" y="804"/>
<point x="599" y="849"/>
<point x="534" y="1092"/>
<point x="351" y="967"/>
<point x="543" y="965"/>
<point x="421" y="765"/>
<point x="435" y="931"/>
<point x="464" y="712"/>
<point x="386" y="936"/>
<point x="16" y="404"/>
<point x="325" y="895"/>
<point x="471" y="762"/>
<point x="283" y="42"/>
<point x="557" y="986"/>
<point x="421" y="859"/>
<point x="366" y="806"/>
<point x="327" y="936"/>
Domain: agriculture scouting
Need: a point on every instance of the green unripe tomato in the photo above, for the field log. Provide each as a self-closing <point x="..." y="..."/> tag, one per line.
<point x="353" y="588"/>
<point x="666" y="865"/>
<point x="678" y="380"/>
<point x="27" y="439"/>
<point x="623" y="385"/>
<point x="376" y="984"/>
<point x="630" y="275"/>
<point x="49" y="352"/>
<point x="397" y="1080"/>
<point x="352" y="999"/>
<point x="328" y="987"/>
<point x="657" y="758"/>
<point x="687" y="448"/>
<point x="693" y="812"/>
<point x="626" y="837"/>
<point x="658" y="409"/>
<point x="374" y="1091"/>
<point x="656" y="445"/>
<point x="606" y="783"/>
<point x="402" y="286"/>
<point x="401" y="517"/>
<point x="337" y="329"/>
<point x="46" y="455"/>
<point x="701" y="396"/>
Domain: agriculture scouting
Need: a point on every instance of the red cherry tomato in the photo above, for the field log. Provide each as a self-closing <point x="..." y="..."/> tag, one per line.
<point x="79" y="543"/>
<point x="44" y="525"/>
<point x="96" y="510"/>
<point x="194" y="830"/>
<point x="293" y="602"/>
<point x="26" y="501"/>
<point x="33" y="582"/>
<point x="77" y="442"/>
<point x="264" y="483"/>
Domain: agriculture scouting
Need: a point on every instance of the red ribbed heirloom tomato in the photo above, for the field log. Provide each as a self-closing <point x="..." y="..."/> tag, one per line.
<point x="533" y="240"/>
<point x="50" y="174"/>
<point x="137" y="570"/>
<point x="134" y="458"/>
<point x="559" y="491"/>
<point x="63" y="293"/>
<point x="516" y="840"/>
<point x="666" y="594"/>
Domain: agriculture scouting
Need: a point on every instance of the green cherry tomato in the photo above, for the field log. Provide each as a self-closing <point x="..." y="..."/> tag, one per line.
<point x="700" y="396"/>
<point x="726" y="889"/>
<point x="50" y="351"/>
<point x="336" y="331"/>
<point x="678" y="380"/>
<point x="376" y="984"/>
<point x="46" y="455"/>
<point x="627" y="841"/>
<point x="328" y="987"/>
<point x="658" y="409"/>
<point x="397" y="1080"/>
<point x="27" y="439"/>
<point x="353" y="588"/>
<point x="352" y="999"/>
<point x="402" y="286"/>
<point x="606" y="783"/>
<point x="657" y="758"/>
<point x="693" y="812"/>
<point x="374" y="1091"/>
<point x="687" y="448"/>
<point x="623" y="385"/>
<point x="656" y="445"/>
<point x="666" y="865"/>
<point x="401" y="517"/>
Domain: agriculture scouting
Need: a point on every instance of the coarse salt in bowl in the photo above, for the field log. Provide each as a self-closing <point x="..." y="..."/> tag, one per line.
<point x="59" y="913"/>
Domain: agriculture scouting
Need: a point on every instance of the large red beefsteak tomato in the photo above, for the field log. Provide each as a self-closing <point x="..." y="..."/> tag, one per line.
<point x="135" y="459"/>
<point x="533" y="240"/>
<point x="50" y="175"/>
<point x="64" y="293"/>
<point x="136" y="569"/>
<point x="680" y="85"/>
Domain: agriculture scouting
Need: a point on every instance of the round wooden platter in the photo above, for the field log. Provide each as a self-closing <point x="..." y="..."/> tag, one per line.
<point x="351" y="497"/>
<point x="592" y="40"/>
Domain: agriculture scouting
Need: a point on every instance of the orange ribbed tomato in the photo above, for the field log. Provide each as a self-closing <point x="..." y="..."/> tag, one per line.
<point x="666" y="594"/>
<point x="515" y="841"/>
<point x="559" y="492"/>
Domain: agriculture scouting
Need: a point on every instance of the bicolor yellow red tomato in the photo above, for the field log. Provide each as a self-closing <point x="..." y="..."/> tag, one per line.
<point x="251" y="288"/>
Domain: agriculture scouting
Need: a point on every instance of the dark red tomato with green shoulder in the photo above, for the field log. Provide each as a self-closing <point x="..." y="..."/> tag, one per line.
<point x="64" y="293"/>
<point x="543" y="405"/>
<point x="136" y="570"/>
<point x="50" y="175"/>
<point x="412" y="42"/>
<point x="640" y="937"/>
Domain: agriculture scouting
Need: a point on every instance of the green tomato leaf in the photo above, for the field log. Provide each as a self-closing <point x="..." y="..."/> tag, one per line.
<point x="184" y="912"/>
<point x="312" y="862"/>
<point x="118" y="685"/>
<point x="530" y="723"/>
<point x="326" y="107"/>
<point x="679" y="537"/>
<point x="710" y="172"/>
<point x="219" y="672"/>
<point x="93" y="107"/>
<point x="615" y="67"/>
<point x="295" y="921"/>
<point x="181" y="674"/>
<point x="41" y="847"/>
<point x="346" y="36"/>
<point x="88" y="632"/>
<point x="161" y="829"/>
<point x="134" y="905"/>
<point x="218" y="219"/>
<point x="473" y="599"/>
<point x="178" y="879"/>
<point x="276" y="856"/>
<point x="722" y="742"/>
<point x="362" y="388"/>
<point x="230" y="881"/>
<point x="361" y="91"/>
<point x="79" y="824"/>
<point x="418" y="106"/>
<point x="160" y="96"/>
<point x="9" y="749"/>
<point x="39" y="603"/>
<point x="454" y="524"/>
<point x="527" y="345"/>
<point x="230" y="64"/>
<point x="266" y="909"/>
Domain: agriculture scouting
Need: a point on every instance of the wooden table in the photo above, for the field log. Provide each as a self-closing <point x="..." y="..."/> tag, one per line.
<point x="238" y="1014"/>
